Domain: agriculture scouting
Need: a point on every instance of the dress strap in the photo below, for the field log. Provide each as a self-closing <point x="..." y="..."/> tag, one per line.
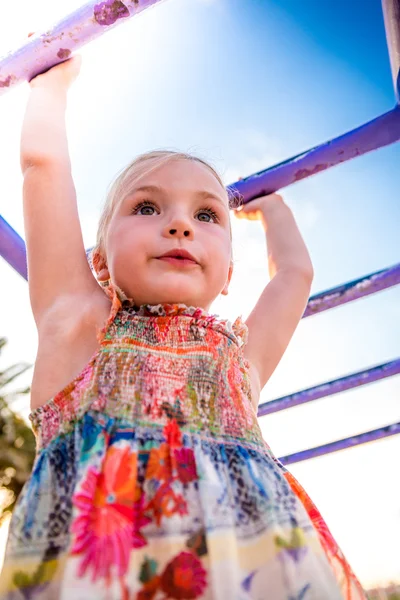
<point x="118" y="300"/>
<point x="240" y="330"/>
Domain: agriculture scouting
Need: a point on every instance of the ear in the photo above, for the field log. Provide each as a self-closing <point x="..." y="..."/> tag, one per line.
<point x="100" y="266"/>
<point x="225" y="290"/>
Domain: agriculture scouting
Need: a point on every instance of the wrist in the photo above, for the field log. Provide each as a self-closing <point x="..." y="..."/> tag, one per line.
<point x="48" y="88"/>
<point x="273" y="202"/>
<point x="273" y="209"/>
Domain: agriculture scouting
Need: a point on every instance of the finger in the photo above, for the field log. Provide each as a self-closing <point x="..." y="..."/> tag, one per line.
<point x="251" y="207"/>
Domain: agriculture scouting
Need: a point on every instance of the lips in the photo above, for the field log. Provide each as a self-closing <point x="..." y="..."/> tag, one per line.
<point x="179" y="254"/>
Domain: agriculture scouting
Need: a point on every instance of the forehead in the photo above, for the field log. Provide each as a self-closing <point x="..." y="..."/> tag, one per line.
<point x="184" y="176"/>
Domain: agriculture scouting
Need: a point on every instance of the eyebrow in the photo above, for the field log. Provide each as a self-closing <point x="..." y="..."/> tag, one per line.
<point x="201" y="194"/>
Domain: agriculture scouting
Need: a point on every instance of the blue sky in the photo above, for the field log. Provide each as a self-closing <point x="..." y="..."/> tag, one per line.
<point x="246" y="85"/>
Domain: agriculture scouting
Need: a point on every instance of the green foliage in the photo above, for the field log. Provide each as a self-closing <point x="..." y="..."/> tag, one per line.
<point x="17" y="441"/>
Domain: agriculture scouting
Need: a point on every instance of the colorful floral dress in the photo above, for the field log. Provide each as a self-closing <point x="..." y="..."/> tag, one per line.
<point x="152" y="480"/>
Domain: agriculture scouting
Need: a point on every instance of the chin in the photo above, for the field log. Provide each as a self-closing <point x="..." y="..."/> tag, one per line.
<point x="173" y="294"/>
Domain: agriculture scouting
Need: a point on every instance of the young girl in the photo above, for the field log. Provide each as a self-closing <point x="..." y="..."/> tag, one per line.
<point x="152" y="480"/>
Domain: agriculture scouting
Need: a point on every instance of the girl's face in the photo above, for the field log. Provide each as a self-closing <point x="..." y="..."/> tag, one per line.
<point x="179" y="205"/>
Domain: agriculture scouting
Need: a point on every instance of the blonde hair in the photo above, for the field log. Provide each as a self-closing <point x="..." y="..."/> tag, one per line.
<point x="143" y="165"/>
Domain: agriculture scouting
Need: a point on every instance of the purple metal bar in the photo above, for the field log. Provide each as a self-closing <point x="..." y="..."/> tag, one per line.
<point x="391" y="17"/>
<point x="12" y="248"/>
<point x="331" y="387"/>
<point x="356" y="440"/>
<point x="358" y="288"/>
<point x="380" y="132"/>
<point x="43" y="51"/>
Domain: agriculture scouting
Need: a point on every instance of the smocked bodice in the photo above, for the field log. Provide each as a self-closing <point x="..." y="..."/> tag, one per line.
<point x="158" y="360"/>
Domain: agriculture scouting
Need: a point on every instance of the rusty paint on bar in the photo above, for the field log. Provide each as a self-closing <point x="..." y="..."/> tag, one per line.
<point x="353" y="290"/>
<point x="329" y="388"/>
<point x="350" y="442"/>
<point x="380" y="132"/>
<point x="42" y="51"/>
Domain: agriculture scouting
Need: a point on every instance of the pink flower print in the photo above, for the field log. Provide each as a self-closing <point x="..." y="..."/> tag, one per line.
<point x="109" y="506"/>
<point x="139" y="521"/>
<point x="184" y="462"/>
<point x="184" y="577"/>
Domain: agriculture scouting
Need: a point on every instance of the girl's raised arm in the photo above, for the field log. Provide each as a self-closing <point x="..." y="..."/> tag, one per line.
<point x="58" y="271"/>
<point x="281" y="305"/>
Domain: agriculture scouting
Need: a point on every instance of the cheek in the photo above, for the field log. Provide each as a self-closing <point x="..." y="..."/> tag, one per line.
<point x="125" y="243"/>
<point x="219" y="249"/>
<point x="224" y="242"/>
<point x="132" y="234"/>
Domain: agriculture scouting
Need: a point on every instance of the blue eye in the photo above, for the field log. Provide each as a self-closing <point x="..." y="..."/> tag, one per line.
<point x="144" y="206"/>
<point x="210" y="213"/>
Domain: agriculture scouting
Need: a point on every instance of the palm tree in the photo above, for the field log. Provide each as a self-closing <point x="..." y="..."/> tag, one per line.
<point x="17" y="441"/>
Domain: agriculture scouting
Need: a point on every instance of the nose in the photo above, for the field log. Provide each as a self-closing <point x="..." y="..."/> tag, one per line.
<point x="178" y="227"/>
